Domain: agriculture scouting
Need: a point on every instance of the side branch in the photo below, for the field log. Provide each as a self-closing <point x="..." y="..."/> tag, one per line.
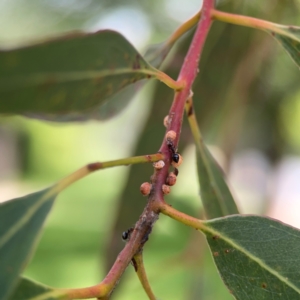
<point x="167" y="80"/>
<point x="186" y="26"/>
<point x="90" y="168"/>
<point x="141" y="273"/>
<point x="181" y="217"/>
<point x="247" y="22"/>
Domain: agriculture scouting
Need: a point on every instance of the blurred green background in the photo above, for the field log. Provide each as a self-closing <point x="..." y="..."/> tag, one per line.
<point x="247" y="102"/>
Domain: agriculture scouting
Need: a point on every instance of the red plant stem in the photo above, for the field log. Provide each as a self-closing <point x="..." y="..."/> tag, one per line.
<point x="188" y="73"/>
<point x="144" y="225"/>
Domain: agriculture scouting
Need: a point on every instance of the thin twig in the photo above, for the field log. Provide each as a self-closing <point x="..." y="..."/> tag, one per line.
<point x="141" y="272"/>
<point x="90" y="168"/>
<point x="183" y="28"/>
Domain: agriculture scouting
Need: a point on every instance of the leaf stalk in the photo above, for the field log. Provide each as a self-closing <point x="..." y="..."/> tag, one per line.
<point x="248" y="22"/>
<point x="141" y="273"/>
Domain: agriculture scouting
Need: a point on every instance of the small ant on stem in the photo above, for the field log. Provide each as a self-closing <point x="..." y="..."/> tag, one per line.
<point x="175" y="155"/>
<point x="126" y="234"/>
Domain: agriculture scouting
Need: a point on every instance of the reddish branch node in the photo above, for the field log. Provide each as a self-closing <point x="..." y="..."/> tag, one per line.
<point x="94" y="166"/>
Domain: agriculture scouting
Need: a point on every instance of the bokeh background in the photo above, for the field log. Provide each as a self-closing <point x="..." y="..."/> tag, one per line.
<point x="247" y="101"/>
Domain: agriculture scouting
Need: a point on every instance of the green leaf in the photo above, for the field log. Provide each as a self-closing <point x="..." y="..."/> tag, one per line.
<point x="71" y="75"/>
<point x="155" y="55"/>
<point x="258" y="258"/>
<point x="21" y="221"/>
<point x="110" y="108"/>
<point x="289" y="38"/>
<point x="215" y="194"/>
<point x="28" y="289"/>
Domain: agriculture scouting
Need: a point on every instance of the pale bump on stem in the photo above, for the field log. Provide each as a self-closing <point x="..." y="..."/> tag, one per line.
<point x="159" y="164"/>
<point x="166" y="189"/>
<point x="166" y="121"/>
<point x="171" y="136"/>
<point x="145" y="188"/>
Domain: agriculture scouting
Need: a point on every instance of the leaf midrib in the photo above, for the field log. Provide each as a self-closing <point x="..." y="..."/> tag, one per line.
<point x="62" y="77"/>
<point x="26" y="217"/>
<point x="251" y="256"/>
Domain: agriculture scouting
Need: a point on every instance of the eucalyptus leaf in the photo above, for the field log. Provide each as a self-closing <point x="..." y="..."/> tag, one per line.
<point x="107" y="110"/>
<point x="215" y="195"/>
<point x="68" y="76"/>
<point x="289" y="38"/>
<point x="155" y="55"/>
<point x="257" y="257"/>
<point x="21" y="221"/>
<point x="28" y="289"/>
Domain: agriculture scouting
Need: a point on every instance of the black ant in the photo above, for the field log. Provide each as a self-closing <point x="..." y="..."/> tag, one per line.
<point x="126" y="234"/>
<point x="175" y="155"/>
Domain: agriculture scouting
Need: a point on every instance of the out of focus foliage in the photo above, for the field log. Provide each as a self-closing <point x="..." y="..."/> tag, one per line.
<point x="245" y="97"/>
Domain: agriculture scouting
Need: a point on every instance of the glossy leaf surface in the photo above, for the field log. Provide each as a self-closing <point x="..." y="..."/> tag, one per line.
<point x="258" y="258"/>
<point x="28" y="289"/>
<point x="21" y="220"/>
<point x="70" y="75"/>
